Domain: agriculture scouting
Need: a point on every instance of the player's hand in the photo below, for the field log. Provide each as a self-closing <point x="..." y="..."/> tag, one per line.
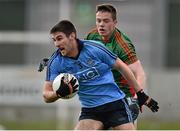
<point x="67" y="88"/>
<point x="153" y="105"/>
<point x="72" y="83"/>
<point x="144" y="99"/>
<point x="43" y="63"/>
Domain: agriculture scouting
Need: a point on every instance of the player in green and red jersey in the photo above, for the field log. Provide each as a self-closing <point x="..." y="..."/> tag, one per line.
<point x="116" y="41"/>
<point x="121" y="45"/>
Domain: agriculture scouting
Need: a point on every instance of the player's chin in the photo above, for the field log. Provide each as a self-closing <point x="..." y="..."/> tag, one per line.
<point x="63" y="52"/>
<point x="103" y="33"/>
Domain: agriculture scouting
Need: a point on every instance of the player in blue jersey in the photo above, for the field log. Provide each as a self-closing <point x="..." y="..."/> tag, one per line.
<point x="102" y="101"/>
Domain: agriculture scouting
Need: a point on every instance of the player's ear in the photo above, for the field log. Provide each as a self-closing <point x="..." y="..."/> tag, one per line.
<point x="72" y="35"/>
<point x="115" y="22"/>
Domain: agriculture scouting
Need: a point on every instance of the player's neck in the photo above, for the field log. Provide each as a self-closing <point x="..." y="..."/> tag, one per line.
<point x="75" y="51"/>
<point x="105" y="38"/>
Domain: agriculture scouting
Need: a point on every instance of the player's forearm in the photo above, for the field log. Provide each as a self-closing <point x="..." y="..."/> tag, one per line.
<point x="141" y="80"/>
<point x="131" y="79"/>
<point x="128" y="74"/>
<point x="50" y="96"/>
<point x="143" y="99"/>
<point x="139" y="73"/>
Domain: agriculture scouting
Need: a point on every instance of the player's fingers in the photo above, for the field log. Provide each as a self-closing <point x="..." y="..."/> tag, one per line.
<point x="75" y="90"/>
<point x="73" y="81"/>
<point x="153" y="105"/>
<point x="62" y="80"/>
<point x="155" y="108"/>
<point x="75" y="87"/>
<point x="40" y="67"/>
<point x="45" y="59"/>
<point x="70" y="88"/>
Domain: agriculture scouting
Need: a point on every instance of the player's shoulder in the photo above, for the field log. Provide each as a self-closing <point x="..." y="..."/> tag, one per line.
<point x="53" y="56"/>
<point x="93" y="31"/>
<point x="121" y="38"/>
<point x="93" y="44"/>
<point x="92" y="34"/>
<point x="96" y="46"/>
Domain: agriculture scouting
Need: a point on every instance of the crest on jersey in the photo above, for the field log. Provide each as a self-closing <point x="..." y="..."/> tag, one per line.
<point x="90" y="62"/>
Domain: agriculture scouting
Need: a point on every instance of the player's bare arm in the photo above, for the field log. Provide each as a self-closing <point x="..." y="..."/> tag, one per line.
<point x="127" y="73"/>
<point x="139" y="73"/>
<point x="48" y="93"/>
<point x="143" y="99"/>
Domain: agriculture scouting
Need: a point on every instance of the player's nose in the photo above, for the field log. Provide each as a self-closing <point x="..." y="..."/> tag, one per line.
<point x="101" y="24"/>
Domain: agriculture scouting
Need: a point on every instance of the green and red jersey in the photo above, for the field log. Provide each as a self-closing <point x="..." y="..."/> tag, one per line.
<point x="122" y="46"/>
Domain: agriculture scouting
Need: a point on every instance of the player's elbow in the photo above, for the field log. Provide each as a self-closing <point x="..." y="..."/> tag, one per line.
<point x="46" y="99"/>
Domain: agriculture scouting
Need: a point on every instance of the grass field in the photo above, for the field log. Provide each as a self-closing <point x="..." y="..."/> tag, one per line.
<point x="52" y="125"/>
<point x="28" y="125"/>
<point x="158" y="125"/>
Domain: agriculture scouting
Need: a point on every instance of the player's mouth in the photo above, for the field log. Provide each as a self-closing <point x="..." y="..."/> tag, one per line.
<point x="62" y="50"/>
<point x="102" y="31"/>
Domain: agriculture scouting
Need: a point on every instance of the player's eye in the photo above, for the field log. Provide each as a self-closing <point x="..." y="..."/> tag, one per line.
<point x="106" y="21"/>
<point x="59" y="38"/>
<point x="98" y="20"/>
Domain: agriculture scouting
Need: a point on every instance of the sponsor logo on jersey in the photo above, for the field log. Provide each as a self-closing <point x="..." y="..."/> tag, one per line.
<point x="88" y="74"/>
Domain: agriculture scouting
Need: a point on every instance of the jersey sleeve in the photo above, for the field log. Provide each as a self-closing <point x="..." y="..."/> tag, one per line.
<point x="125" y="48"/>
<point x="88" y="37"/>
<point x="93" y="35"/>
<point x="52" y="71"/>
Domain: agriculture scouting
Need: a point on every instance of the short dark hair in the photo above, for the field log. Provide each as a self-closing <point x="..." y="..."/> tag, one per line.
<point x="107" y="8"/>
<point x="64" y="26"/>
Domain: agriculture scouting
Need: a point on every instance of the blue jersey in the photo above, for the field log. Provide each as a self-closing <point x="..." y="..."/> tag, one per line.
<point x="92" y="68"/>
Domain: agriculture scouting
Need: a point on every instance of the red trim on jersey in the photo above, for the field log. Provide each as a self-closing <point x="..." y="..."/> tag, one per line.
<point x="124" y="45"/>
<point x="125" y="82"/>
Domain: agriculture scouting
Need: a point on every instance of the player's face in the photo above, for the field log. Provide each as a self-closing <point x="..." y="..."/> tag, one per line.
<point x="105" y="24"/>
<point x="62" y="42"/>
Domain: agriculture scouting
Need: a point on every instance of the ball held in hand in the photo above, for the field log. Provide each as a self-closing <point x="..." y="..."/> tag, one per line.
<point x="66" y="85"/>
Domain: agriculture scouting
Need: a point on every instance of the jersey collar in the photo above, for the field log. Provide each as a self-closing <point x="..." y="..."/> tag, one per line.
<point x="106" y="40"/>
<point x="80" y="46"/>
